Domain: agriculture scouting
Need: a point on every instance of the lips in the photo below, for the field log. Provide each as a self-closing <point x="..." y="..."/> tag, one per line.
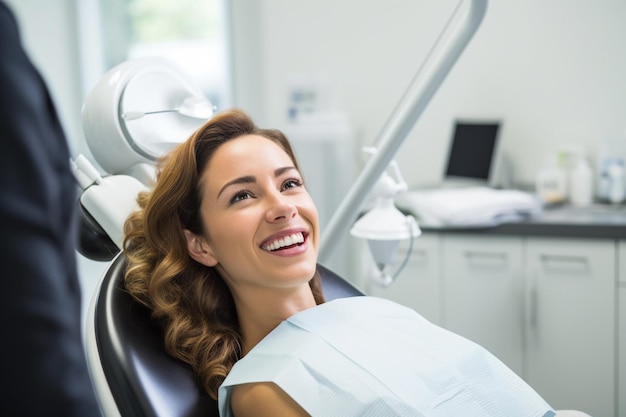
<point x="286" y="241"/>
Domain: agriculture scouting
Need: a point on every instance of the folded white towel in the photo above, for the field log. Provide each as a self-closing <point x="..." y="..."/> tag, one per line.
<point x="471" y="207"/>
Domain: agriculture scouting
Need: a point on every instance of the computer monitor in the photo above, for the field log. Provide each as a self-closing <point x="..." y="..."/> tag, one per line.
<point x="473" y="153"/>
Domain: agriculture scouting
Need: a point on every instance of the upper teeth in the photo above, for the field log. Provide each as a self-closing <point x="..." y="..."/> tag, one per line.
<point x="285" y="241"/>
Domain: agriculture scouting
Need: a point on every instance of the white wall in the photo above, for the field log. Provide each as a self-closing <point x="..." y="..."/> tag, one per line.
<point x="49" y="34"/>
<point x="554" y="70"/>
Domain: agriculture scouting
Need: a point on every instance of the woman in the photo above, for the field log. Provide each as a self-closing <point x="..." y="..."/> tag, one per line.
<point x="224" y="251"/>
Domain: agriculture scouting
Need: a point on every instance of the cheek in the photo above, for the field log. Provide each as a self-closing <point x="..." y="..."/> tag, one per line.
<point x="311" y="210"/>
<point x="216" y="234"/>
<point x="230" y="234"/>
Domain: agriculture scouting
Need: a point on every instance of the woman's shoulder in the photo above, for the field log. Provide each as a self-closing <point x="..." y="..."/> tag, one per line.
<point x="262" y="399"/>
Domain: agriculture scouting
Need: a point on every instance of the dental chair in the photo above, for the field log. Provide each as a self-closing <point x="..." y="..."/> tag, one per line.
<point x="132" y="373"/>
<point x="138" y="111"/>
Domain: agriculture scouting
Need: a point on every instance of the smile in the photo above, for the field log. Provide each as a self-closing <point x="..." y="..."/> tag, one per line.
<point x="284" y="242"/>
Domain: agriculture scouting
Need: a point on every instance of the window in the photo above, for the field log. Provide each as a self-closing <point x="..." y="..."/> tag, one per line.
<point x="191" y="33"/>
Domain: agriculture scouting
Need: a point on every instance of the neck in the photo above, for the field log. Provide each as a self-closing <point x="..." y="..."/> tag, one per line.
<point x="259" y="313"/>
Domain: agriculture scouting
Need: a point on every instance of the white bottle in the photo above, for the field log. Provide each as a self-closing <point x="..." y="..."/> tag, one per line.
<point x="581" y="184"/>
<point x="617" y="186"/>
<point x="604" y="181"/>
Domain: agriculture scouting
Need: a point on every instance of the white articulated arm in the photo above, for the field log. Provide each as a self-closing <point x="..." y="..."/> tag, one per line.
<point x="457" y="33"/>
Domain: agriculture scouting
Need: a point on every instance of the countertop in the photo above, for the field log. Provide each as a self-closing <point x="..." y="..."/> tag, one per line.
<point x="595" y="221"/>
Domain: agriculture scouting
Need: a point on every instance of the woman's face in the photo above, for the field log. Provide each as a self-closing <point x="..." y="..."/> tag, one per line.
<point x="261" y="225"/>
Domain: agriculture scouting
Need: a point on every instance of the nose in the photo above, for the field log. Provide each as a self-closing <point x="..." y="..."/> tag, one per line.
<point x="279" y="208"/>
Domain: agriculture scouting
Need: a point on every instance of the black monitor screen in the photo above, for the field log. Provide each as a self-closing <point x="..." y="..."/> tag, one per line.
<point x="472" y="151"/>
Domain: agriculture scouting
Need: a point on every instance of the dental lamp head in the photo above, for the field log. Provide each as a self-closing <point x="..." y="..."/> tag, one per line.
<point x="138" y="111"/>
<point x="384" y="226"/>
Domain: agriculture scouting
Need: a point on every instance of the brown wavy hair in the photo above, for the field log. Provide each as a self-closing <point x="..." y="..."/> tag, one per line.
<point x="191" y="301"/>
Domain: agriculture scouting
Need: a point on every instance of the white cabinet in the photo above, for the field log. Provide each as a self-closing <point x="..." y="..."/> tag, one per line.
<point x="621" y="359"/>
<point x="621" y="331"/>
<point x="483" y="293"/>
<point x="418" y="285"/>
<point x="570" y="322"/>
<point x="545" y="306"/>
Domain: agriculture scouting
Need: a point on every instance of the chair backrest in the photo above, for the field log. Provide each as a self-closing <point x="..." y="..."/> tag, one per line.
<point x="143" y="380"/>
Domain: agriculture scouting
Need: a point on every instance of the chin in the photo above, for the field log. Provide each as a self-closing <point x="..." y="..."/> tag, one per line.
<point x="305" y="270"/>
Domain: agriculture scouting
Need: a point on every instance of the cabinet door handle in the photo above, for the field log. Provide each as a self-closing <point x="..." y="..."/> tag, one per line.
<point x="532" y="302"/>
<point x="565" y="263"/>
<point x="486" y="259"/>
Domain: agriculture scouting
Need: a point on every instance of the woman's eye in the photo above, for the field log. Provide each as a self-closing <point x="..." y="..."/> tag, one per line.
<point x="241" y="195"/>
<point x="292" y="183"/>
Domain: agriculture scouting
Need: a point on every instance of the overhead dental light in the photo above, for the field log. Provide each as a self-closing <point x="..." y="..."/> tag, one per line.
<point x="384" y="226"/>
<point x="140" y="110"/>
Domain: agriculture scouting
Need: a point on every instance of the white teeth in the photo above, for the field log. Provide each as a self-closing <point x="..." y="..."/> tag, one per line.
<point x="285" y="241"/>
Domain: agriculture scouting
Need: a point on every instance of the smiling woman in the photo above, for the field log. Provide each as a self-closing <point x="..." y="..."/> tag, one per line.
<point x="225" y="246"/>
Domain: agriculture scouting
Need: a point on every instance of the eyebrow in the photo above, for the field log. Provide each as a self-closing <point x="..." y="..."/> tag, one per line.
<point x="250" y="179"/>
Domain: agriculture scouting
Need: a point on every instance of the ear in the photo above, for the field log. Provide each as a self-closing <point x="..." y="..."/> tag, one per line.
<point x="199" y="249"/>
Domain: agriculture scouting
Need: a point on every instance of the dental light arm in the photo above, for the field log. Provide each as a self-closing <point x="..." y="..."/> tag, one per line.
<point x="456" y="35"/>
<point x="109" y="200"/>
